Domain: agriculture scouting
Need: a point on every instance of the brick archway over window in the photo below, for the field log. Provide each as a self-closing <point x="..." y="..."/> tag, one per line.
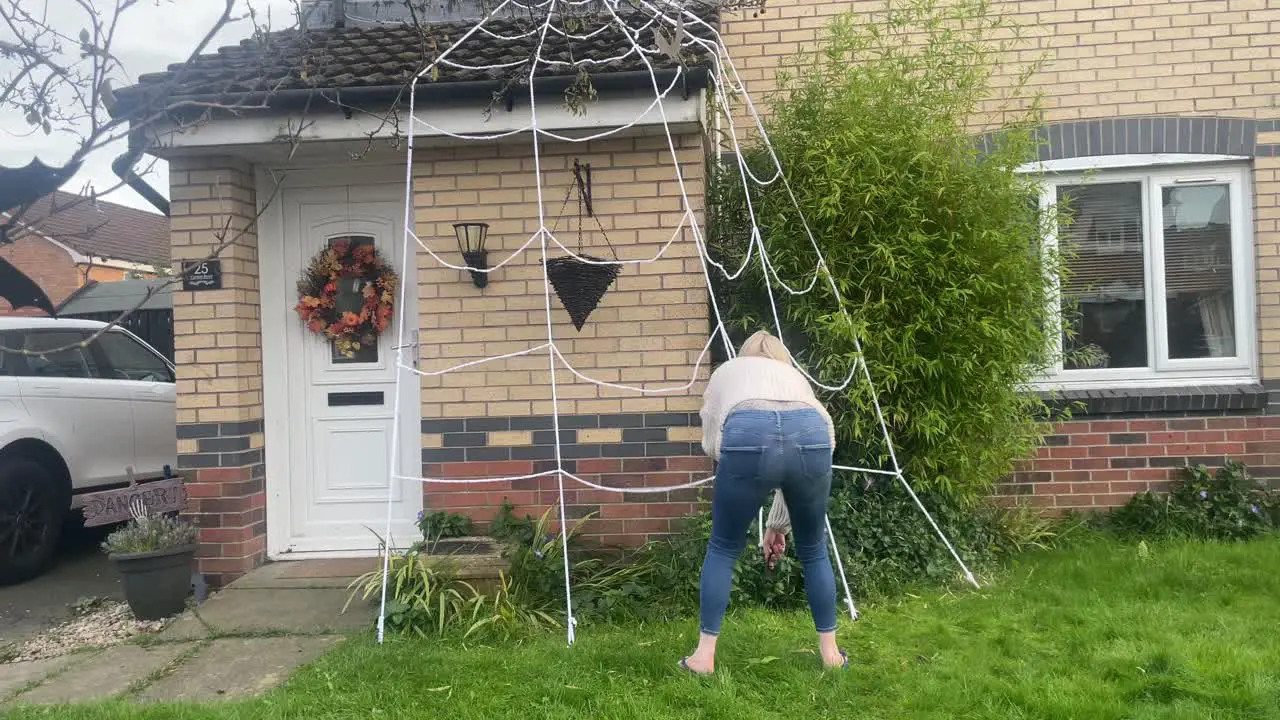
<point x="1162" y="135"/>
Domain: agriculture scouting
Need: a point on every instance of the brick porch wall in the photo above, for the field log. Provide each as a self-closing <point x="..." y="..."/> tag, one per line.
<point x="630" y="450"/>
<point x="217" y="339"/>
<point x="649" y="329"/>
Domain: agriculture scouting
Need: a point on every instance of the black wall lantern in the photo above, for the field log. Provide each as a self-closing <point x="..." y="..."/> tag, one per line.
<point x="471" y="238"/>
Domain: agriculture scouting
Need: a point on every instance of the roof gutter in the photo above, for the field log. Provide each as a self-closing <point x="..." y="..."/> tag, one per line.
<point x="123" y="168"/>
<point x="693" y="78"/>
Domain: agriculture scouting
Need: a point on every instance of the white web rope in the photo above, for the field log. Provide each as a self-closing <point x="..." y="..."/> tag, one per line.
<point x="669" y="14"/>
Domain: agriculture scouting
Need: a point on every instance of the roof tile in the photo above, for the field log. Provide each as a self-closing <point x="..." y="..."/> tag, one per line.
<point x="389" y="55"/>
<point x="101" y="229"/>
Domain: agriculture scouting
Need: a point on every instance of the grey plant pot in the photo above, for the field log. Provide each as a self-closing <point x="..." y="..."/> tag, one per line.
<point x="156" y="583"/>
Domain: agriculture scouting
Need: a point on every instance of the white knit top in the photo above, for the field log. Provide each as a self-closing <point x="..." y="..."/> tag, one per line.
<point x="747" y="381"/>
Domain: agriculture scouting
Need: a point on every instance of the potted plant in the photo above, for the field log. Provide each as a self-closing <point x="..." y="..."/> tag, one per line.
<point x="154" y="554"/>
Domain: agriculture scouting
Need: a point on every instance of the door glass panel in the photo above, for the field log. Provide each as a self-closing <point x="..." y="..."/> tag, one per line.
<point x="60" y="355"/>
<point x="350" y="298"/>
<point x="1199" y="302"/>
<point x="1105" y="295"/>
<point x="129" y="360"/>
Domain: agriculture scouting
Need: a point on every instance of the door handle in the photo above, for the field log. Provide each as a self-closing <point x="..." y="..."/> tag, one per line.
<point x="47" y="388"/>
<point x="411" y="344"/>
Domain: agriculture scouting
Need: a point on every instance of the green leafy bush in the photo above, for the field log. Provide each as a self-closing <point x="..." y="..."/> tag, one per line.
<point x="512" y="530"/>
<point x="440" y="524"/>
<point x="149" y="533"/>
<point x="425" y="598"/>
<point x="933" y="245"/>
<point x="1226" y="505"/>
<point x="888" y="543"/>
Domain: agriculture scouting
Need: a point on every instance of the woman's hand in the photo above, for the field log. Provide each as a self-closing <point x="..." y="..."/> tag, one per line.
<point x="775" y="545"/>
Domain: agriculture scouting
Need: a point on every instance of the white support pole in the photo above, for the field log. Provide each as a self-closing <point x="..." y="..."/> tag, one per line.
<point x="844" y="580"/>
<point x="937" y="530"/>
<point x="394" y="460"/>
<point x="570" y="621"/>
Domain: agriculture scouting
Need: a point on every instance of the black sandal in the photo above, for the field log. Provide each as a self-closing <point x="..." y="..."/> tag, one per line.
<point x="684" y="665"/>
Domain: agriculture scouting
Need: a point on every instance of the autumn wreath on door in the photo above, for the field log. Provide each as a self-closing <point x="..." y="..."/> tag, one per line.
<point x="347" y="293"/>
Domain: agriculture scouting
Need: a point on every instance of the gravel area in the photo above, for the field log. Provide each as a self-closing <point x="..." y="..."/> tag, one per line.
<point x="96" y="624"/>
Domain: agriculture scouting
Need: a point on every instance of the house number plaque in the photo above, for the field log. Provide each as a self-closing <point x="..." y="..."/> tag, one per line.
<point x="202" y="275"/>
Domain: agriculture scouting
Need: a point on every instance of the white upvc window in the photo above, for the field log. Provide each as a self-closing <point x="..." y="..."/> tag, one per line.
<point x="1160" y="291"/>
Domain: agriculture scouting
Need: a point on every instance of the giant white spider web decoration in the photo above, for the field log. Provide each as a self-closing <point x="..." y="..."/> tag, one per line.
<point x="672" y="17"/>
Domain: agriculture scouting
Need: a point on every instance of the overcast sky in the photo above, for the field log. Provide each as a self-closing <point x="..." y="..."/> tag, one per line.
<point x="152" y="34"/>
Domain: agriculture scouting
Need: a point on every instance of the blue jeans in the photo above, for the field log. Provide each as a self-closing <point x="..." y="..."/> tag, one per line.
<point x="760" y="451"/>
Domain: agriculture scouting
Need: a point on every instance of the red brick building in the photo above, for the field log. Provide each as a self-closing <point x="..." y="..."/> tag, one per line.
<point x="64" y="241"/>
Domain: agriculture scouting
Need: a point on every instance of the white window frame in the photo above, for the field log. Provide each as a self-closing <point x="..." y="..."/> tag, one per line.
<point x="1159" y="172"/>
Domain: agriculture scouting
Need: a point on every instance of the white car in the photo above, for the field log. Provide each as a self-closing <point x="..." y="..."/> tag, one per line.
<point x="73" y="421"/>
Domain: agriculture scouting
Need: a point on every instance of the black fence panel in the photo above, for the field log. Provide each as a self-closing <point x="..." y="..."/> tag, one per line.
<point x="153" y="326"/>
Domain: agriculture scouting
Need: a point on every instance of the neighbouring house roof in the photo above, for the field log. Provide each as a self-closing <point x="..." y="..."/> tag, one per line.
<point x="100" y="229"/>
<point x="386" y="56"/>
<point x="116" y="297"/>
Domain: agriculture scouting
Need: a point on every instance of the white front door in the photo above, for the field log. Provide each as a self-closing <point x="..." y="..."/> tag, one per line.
<point x="341" y="410"/>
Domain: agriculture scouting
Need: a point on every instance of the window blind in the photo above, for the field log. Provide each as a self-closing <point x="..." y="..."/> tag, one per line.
<point x="1103" y="242"/>
<point x="1197" y="239"/>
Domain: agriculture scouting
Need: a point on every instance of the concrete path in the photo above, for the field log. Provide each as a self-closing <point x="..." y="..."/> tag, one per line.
<point x="243" y="641"/>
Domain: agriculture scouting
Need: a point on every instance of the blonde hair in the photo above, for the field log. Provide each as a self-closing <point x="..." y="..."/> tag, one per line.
<point x="762" y="344"/>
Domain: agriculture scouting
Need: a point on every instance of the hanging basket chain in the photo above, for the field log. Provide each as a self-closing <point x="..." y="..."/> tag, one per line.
<point x="580" y="282"/>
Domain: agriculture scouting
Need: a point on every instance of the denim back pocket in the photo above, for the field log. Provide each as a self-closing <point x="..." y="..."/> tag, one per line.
<point x="815" y="460"/>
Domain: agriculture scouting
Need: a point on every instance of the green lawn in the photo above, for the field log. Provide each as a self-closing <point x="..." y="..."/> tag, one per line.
<point x="1097" y="631"/>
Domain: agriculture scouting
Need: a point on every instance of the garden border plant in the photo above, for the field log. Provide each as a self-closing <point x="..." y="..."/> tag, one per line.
<point x="1226" y="504"/>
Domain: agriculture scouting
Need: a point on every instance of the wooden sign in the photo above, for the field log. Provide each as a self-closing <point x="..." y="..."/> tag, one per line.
<point x="202" y="275"/>
<point x="112" y="506"/>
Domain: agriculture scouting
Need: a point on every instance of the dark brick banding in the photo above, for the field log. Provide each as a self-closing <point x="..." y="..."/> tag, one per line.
<point x="1164" y="135"/>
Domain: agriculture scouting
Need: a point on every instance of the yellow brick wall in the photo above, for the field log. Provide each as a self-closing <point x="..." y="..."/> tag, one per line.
<point x="1105" y="58"/>
<point x="650" y="326"/>
<point x="1266" y="180"/>
<point x="217" y="341"/>
<point x="217" y="337"/>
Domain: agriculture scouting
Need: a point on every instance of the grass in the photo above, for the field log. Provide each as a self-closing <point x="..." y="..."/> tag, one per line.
<point x="1096" y="631"/>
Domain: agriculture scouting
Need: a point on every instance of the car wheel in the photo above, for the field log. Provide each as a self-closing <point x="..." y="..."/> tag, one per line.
<point x="32" y="508"/>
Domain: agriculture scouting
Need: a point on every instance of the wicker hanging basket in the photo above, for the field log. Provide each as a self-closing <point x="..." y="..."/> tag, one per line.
<point x="580" y="285"/>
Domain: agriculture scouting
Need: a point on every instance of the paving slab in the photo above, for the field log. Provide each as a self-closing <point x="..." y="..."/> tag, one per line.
<point x="237" y="668"/>
<point x="15" y="676"/>
<point x="251" y="612"/>
<point x="107" y="675"/>
<point x="301" y="574"/>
